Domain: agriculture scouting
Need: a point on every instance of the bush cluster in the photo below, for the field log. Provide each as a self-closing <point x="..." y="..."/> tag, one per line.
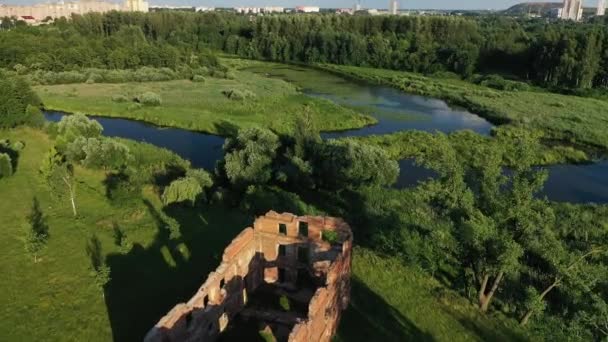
<point x="149" y="99"/>
<point x="143" y="74"/>
<point x="498" y="82"/>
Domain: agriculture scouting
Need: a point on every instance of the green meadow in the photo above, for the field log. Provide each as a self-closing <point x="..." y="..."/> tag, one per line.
<point x="203" y="106"/>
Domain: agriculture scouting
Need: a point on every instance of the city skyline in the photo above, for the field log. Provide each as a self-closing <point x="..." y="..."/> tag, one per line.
<point x="403" y="4"/>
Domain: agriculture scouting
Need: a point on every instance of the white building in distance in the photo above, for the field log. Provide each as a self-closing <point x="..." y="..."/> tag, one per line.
<point x="572" y="10"/>
<point x="393" y="7"/>
<point x="65" y="9"/>
<point x="601" y="7"/>
<point x="307" y="9"/>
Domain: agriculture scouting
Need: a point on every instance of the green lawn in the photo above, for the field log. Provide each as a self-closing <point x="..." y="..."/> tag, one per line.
<point x="203" y="107"/>
<point x="56" y="299"/>
<point x="571" y="119"/>
<point x="392" y="302"/>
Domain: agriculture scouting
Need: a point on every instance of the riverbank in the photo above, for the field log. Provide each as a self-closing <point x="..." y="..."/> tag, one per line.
<point x="576" y="121"/>
<point x="204" y="106"/>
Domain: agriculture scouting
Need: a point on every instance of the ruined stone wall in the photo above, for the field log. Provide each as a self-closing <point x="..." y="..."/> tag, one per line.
<point x="273" y="251"/>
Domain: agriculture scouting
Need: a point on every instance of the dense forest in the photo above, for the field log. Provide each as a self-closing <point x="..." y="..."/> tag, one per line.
<point x="557" y="54"/>
<point x="481" y="231"/>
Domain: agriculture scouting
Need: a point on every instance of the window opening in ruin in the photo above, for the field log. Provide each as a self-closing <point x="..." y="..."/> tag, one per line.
<point x="303" y="254"/>
<point x="206" y="300"/>
<point x="222" y="283"/>
<point x="303" y="229"/>
<point x="282" y="250"/>
<point x="282" y="229"/>
<point x="281" y="275"/>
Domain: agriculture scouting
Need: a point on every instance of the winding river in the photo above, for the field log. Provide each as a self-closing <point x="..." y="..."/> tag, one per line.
<point x="394" y="110"/>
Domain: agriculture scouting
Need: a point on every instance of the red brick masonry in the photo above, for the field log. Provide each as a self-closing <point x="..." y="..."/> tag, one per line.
<point x="252" y="259"/>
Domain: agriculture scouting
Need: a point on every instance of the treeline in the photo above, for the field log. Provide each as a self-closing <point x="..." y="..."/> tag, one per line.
<point x="556" y="54"/>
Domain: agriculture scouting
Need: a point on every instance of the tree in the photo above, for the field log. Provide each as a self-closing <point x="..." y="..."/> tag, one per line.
<point x="98" y="153"/>
<point x="347" y="163"/>
<point x="100" y="271"/>
<point x="496" y="216"/>
<point x="183" y="189"/>
<point x="37" y="232"/>
<point x="72" y="127"/>
<point x="15" y="97"/>
<point x="249" y="157"/>
<point x="6" y="166"/>
<point x="576" y="269"/>
<point x="59" y="177"/>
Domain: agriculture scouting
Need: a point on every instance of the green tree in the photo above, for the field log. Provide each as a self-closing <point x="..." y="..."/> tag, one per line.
<point x="100" y="271"/>
<point x="183" y="189"/>
<point x="37" y="232"/>
<point x="15" y="97"/>
<point x="72" y="127"/>
<point x="249" y="157"/>
<point x="347" y="163"/>
<point x="6" y="166"/>
<point x="99" y="153"/>
<point x="59" y="176"/>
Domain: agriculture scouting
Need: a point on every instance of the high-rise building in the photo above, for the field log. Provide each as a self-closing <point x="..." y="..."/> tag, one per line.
<point x="601" y="7"/>
<point x="393" y="6"/>
<point x="572" y="10"/>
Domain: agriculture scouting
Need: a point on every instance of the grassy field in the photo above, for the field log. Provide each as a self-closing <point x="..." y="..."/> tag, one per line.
<point x="571" y="119"/>
<point x="392" y="302"/>
<point x="56" y="299"/>
<point x="202" y="106"/>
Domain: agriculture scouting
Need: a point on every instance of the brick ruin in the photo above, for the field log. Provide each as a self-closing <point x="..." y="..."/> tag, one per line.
<point x="288" y="276"/>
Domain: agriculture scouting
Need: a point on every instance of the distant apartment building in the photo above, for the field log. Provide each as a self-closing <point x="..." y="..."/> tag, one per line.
<point x="205" y="9"/>
<point x="572" y="10"/>
<point x="65" y="9"/>
<point x="259" y="10"/>
<point x="344" y="11"/>
<point x="601" y="7"/>
<point x="393" y="7"/>
<point x="307" y="9"/>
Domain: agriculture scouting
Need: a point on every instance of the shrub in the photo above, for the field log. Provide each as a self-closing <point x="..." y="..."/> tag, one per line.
<point x="330" y="236"/>
<point x="198" y="78"/>
<point x="18" y="145"/>
<point x="94" y="78"/>
<point x="122" y="188"/>
<point x="119" y="98"/>
<point x="149" y="99"/>
<point x="33" y="116"/>
<point x="238" y="95"/>
<point x="6" y="167"/>
<point x="134" y="106"/>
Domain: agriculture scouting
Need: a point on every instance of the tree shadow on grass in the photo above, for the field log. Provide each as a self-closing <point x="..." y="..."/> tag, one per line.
<point x="371" y="318"/>
<point x="486" y="328"/>
<point x="149" y="280"/>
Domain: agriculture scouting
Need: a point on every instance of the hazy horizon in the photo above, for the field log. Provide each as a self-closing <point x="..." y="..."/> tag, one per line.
<point x="403" y="4"/>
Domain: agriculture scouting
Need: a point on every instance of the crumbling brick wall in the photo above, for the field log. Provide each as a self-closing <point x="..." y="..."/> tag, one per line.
<point x="273" y="251"/>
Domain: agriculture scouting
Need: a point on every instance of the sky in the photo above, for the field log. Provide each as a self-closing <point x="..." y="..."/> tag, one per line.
<point x="404" y="4"/>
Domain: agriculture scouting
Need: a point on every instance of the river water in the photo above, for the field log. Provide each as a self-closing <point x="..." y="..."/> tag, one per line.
<point x="394" y="110"/>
